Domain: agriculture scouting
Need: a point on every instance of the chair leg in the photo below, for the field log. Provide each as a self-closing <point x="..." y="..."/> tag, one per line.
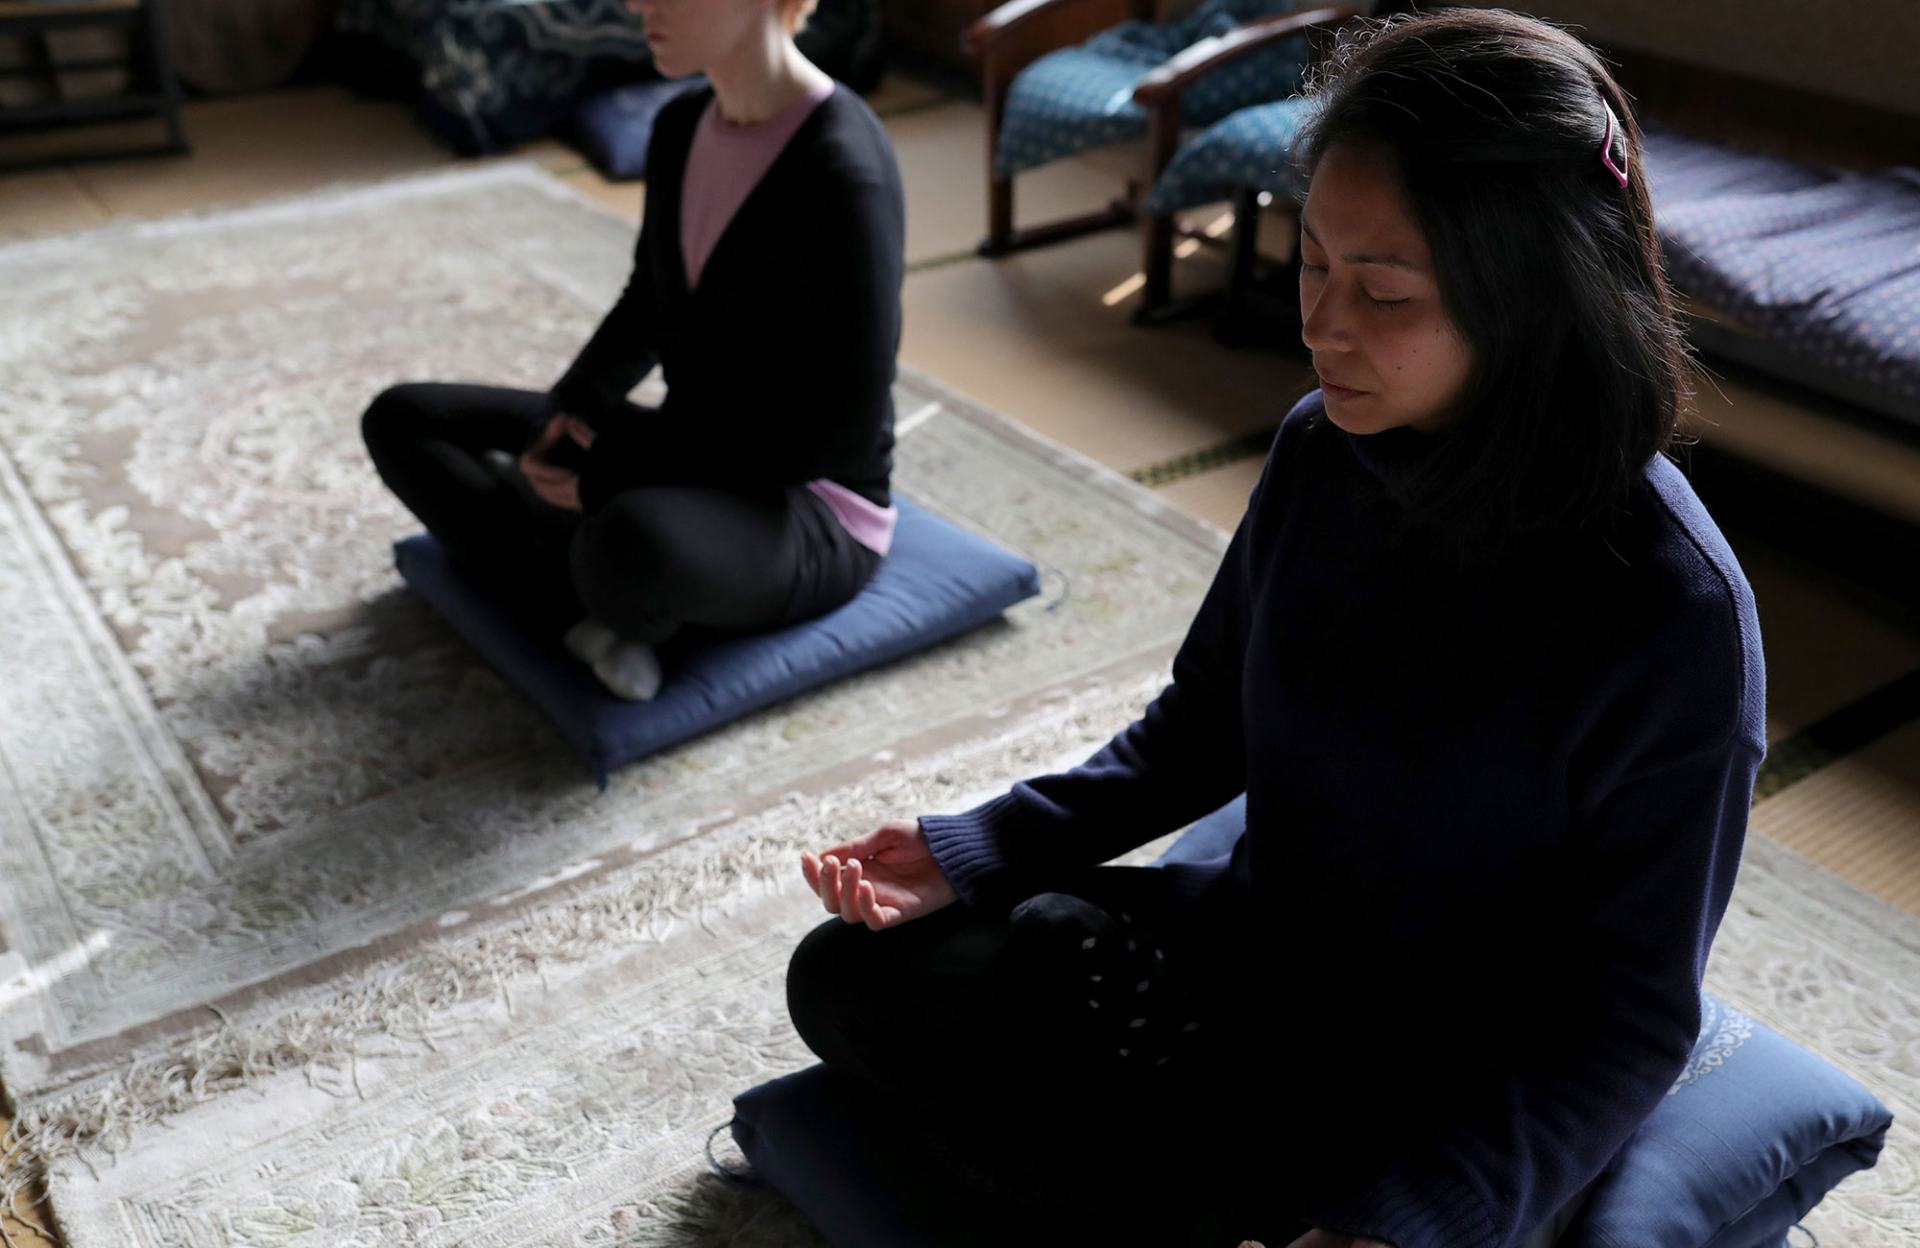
<point x="999" y="239"/>
<point x="1246" y="239"/>
<point x="165" y="82"/>
<point x="41" y="51"/>
<point x="995" y="84"/>
<point x="1156" y="262"/>
<point x="1255" y="313"/>
<point x="1163" y="136"/>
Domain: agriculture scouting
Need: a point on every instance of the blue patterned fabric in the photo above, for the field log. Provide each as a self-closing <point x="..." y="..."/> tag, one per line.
<point x="1823" y="267"/>
<point x="1082" y="97"/>
<point x="1681" y="169"/>
<point x="494" y="72"/>
<point x="938" y="581"/>
<point x="1251" y="149"/>
<point x="1753" y="1134"/>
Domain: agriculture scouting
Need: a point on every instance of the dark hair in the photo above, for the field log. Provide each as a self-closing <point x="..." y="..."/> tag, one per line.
<point x="1548" y="266"/>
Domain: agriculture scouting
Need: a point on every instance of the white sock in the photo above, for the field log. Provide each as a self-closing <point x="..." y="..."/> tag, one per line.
<point x="631" y="670"/>
<point x="589" y="641"/>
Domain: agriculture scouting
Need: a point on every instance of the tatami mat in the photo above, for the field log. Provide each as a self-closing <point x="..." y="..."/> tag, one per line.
<point x="1858" y="817"/>
<point x="1219" y="495"/>
<point x="1828" y="641"/>
<point x="1035" y="336"/>
<point x="250" y="147"/>
<point x="899" y="93"/>
<point x="943" y="162"/>
<point x="46" y="201"/>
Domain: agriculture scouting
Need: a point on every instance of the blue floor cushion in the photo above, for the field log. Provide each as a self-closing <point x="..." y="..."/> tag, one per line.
<point x="1752" y="1135"/>
<point x="614" y="128"/>
<point x="938" y="581"/>
<point x="1749" y="1138"/>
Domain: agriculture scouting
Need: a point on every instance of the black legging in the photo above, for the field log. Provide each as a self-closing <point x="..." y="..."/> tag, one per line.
<point x="652" y="560"/>
<point x="1011" y="1044"/>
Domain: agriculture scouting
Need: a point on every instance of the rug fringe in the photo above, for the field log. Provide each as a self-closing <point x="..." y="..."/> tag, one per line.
<point x="407" y="1001"/>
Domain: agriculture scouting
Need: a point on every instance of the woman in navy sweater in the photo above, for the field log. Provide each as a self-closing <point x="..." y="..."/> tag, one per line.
<point x="766" y="283"/>
<point x="1491" y="681"/>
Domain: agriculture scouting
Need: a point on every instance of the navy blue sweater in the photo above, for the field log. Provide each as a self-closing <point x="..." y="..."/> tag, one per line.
<point x="1493" y="820"/>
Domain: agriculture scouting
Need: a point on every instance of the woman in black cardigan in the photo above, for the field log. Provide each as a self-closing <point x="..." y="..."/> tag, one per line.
<point x="757" y="494"/>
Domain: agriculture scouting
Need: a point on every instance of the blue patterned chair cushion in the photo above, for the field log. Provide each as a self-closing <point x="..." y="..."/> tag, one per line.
<point x="1753" y="1133"/>
<point x="938" y="581"/>
<point x="1082" y="97"/>
<point x="1251" y="149"/>
<point x="1818" y="267"/>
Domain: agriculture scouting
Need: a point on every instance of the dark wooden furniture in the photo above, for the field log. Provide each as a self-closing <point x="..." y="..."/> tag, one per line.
<point x="157" y="93"/>
<point x="1014" y="34"/>
<point x="1159" y="93"/>
<point x="1005" y="41"/>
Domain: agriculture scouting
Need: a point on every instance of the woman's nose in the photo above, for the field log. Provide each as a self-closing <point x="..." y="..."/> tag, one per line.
<point x="1320" y="328"/>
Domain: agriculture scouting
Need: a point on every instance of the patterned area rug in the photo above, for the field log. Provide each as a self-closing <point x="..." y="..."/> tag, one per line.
<point x="311" y="933"/>
<point x="242" y="765"/>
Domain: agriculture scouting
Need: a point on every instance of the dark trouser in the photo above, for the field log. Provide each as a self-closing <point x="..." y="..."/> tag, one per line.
<point x="1105" y="1112"/>
<point x="652" y="560"/>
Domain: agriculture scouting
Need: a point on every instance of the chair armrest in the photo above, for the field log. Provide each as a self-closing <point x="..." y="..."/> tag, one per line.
<point x="1009" y="18"/>
<point x="1164" y="85"/>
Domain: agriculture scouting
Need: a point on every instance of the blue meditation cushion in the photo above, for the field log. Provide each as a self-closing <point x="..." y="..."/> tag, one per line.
<point x="614" y="127"/>
<point x="835" y="1151"/>
<point x="1749" y="1138"/>
<point x="1753" y="1134"/>
<point x="937" y="582"/>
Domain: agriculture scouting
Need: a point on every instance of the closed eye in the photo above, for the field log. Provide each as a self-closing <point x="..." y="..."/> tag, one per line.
<point x="1309" y="267"/>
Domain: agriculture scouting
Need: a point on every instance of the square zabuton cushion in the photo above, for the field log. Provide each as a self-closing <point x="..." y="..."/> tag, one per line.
<point x="937" y="582"/>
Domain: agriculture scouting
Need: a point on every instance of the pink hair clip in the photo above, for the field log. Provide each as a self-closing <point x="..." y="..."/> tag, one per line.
<point x="1619" y="170"/>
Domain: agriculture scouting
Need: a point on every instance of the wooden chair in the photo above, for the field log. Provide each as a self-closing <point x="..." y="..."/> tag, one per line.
<point x="1159" y="93"/>
<point x="1006" y="41"/>
<point x="1018" y="33"/>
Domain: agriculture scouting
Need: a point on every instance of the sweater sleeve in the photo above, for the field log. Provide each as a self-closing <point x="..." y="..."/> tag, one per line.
<point x="1653" y="873"/>
<point x="621" y="352"/>
<point x="1183" y="758"/>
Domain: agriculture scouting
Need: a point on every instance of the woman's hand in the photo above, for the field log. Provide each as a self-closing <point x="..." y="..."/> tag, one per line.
<point x="883" y="879"/>
<point x="551" y="482"/>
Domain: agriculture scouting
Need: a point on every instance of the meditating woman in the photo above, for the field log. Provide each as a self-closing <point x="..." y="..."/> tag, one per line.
<point x="1491" y="681"/>
<point x="766" y="282"/>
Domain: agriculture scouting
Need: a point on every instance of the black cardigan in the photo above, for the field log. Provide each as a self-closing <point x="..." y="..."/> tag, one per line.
<point x="780" y="365"/>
